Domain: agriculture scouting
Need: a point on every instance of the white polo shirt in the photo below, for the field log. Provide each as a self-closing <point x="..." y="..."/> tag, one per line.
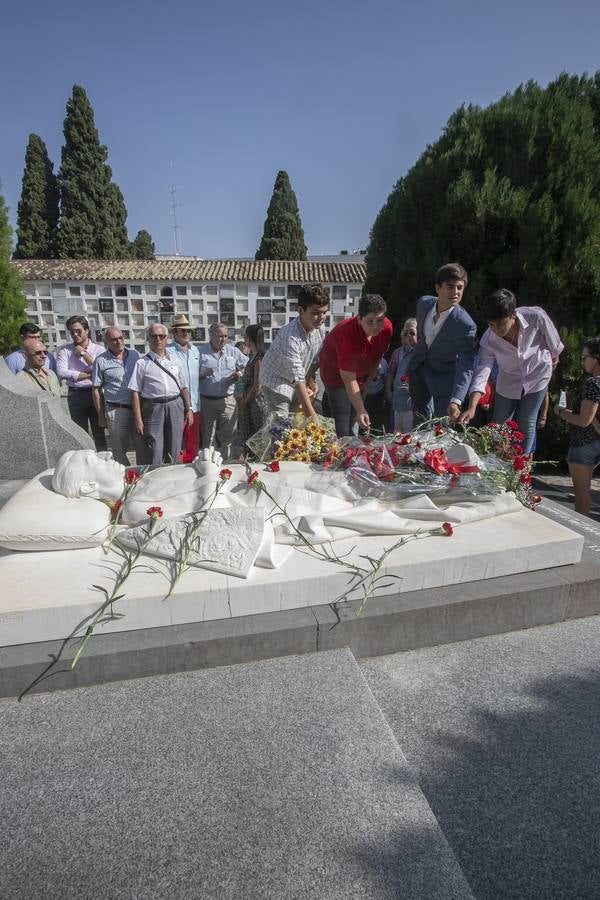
<point x="152" y="382"/>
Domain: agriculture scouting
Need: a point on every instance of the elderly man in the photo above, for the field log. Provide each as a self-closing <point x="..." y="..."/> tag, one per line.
<point x="111" y="374"/>
<point x="187" y="355"/>
<point x="74" y="365"/>
<point x="34" y="373"/>
<point x="221" y="364"/>
<point x="29" y="333"/>
<point x="160" y="400"/>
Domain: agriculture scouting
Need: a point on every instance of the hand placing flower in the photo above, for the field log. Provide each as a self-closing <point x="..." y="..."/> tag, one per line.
<point x="155" y="512"/>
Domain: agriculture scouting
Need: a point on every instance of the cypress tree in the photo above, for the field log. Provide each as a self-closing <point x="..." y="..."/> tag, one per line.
<point x="92" y="212"/>
<point x="37" y="213"/>
<point x="283" y="237"/>
<point x="142" y="246"/>
<point x="12" y="296"/>
<point x="513" y="192"/>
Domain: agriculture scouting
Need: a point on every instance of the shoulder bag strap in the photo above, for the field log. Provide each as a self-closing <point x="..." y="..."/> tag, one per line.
<point x="170" y="374"/>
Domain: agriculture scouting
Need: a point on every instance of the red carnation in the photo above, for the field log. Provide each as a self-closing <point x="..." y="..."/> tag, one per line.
<point x="525" y="478"/>
<point x="519" y="463"/>
<point x="225" y="474"/>
<point x="438" y="429"/>
<point x="274" y="466"/>
<point x="517" y="448"/>
<point x="115" y="507"/>
<point x="131" y="476"/>
<point x="155" y="512"/>
<point x="403" y="379"/>
<point x="518" y="436"/>
<point x="514" y="426"/>
<point x="447" y="529"/>
<point x="254" y="476"/>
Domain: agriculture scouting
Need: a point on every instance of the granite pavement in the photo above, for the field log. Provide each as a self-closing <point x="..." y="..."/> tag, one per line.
<point x="504" y="735"/>
<point x="272" y="779"/>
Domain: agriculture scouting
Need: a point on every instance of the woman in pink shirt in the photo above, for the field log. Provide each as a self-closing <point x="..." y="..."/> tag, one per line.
<point x="525" y="345"/>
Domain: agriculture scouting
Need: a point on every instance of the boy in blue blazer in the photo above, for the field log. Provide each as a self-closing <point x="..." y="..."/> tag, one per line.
<point x="441" y="366"/>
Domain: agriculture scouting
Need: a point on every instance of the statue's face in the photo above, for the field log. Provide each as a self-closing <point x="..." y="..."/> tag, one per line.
<point x="97" y="474"/>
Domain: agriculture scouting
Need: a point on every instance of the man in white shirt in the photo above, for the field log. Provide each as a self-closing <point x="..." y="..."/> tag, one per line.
<point x="160" y="400"/>
<point x="290" y="363"/>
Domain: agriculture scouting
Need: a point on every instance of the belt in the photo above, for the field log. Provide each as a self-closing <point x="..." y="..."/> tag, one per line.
<point x="161" y="399"/>
<point x="74" y="390"/>
<point x="118" y="405"/>
<point x="212" y="396"/>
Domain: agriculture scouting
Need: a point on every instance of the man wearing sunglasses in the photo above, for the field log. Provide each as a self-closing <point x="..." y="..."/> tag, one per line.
<point x="74" y="365"/>
<point x="160" y="400"/>
<point x="35" y="374"/>
<point x="188" y="357"/>
<point x="28" y="332"/>
<point x="111" y="373"/>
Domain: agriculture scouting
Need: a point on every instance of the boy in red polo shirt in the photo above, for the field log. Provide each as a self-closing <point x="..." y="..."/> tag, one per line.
<point x="350" y="358"/>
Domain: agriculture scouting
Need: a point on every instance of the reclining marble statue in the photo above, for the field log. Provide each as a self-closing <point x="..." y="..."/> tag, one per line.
<point x="322" y="504"/>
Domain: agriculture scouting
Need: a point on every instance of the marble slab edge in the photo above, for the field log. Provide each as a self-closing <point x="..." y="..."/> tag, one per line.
<point x="388" y="624"/>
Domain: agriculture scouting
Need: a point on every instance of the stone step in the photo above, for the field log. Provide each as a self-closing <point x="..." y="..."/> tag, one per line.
<point x="272" y="779"/>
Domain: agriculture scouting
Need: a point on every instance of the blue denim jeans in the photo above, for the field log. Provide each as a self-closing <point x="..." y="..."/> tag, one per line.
<point x="341" y="410"/>
<point x="524" y="411"/>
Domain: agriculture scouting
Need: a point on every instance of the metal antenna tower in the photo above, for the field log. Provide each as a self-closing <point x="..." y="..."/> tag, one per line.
<point x="176" y="230"/>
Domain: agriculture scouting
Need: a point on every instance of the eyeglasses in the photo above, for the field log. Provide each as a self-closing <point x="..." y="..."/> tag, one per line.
<point x="158" y="337"/>
<point x="75" y="330"/>
<point x="184" y="330"/>
<point x="117" y="338"/>
<point x="410" y="334"/>
<point x="40" y="353"/>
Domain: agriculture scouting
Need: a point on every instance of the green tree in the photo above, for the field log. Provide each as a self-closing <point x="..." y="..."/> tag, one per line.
<point x="37" y="213"/>
<point x="142" y="246"/>
<point x="12" y="296"/>
<point x="512" y="191"/>
<point x="92" y="212"/>
<point x="283" y="237"/>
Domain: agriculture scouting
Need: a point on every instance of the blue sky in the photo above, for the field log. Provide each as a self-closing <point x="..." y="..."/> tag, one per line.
<point x="217" y="97"/>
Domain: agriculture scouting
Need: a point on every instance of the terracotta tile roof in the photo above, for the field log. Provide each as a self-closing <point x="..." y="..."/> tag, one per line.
<point x="293" y="272"/>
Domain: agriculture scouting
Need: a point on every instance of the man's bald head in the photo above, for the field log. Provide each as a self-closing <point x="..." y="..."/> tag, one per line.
<point x="35" y="353"/>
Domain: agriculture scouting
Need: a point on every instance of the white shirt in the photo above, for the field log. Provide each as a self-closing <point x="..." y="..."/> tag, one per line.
<point x="430" y="328"/>
<point x="151" y="382"/>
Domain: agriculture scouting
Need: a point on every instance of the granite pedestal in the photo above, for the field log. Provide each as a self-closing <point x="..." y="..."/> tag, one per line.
<point x="35" y="429"/>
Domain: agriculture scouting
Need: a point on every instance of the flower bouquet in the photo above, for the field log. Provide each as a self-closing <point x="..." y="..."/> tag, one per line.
<point x="437" y="460"/>
<point x="295" y="438"/>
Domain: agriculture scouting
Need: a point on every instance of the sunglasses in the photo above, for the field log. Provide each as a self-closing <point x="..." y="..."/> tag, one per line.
<point x="41" y="353"/>
<point x="76" y="331"/>
<point x="158" y="337"/>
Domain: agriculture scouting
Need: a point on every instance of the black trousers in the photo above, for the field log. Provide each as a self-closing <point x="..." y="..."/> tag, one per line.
<point x="83" y="412"/>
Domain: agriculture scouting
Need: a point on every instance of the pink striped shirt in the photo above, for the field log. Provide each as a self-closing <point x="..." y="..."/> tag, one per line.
<point x="525" y="368"/>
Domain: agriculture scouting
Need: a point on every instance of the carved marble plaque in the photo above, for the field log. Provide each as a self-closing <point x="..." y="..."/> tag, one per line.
<point x="228" y="540"/>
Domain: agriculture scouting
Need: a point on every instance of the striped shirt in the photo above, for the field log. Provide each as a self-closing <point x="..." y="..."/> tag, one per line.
<point x="289" y="357"/>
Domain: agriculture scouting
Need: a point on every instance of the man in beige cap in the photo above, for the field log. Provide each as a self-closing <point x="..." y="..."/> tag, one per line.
<point x="187" y="355"/>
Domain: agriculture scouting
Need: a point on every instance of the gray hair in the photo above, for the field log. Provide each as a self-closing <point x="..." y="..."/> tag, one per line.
<point x="154" y="324"/>
<point x="213" y="328"/>
<point x="409" y="324"/>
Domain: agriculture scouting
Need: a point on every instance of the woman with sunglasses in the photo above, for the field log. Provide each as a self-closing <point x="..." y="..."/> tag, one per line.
<point x="74" y="363"/>
<point x="584" y="428"/>
<point x="396" y="383"/>
<point x="35" y="374"/>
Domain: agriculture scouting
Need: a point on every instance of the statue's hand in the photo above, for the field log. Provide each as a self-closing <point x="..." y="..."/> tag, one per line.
<point x="208" y="462"/>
